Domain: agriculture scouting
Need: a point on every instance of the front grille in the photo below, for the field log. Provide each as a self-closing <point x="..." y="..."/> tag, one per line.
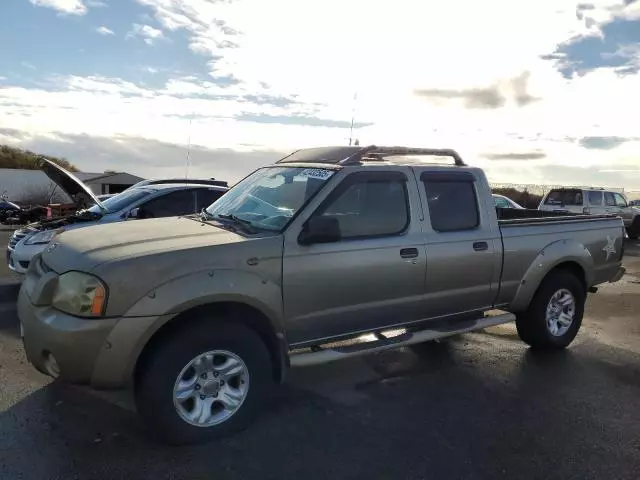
<point x="19" y="235"/>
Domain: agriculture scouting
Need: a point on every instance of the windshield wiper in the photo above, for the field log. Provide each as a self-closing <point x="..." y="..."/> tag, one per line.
<point x="236" y="219"/>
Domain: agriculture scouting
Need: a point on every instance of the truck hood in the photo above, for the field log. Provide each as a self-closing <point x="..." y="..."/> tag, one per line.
<point x="135" y="257"/>
<point x="67" y="182"/>
<point x="175" y="240"/>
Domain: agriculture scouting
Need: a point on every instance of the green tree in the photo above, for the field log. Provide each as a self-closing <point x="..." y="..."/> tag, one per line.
<point x="17" y="158"/>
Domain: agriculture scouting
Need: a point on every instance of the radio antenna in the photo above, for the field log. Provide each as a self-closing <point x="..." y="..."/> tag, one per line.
<point x="186" y="173"/>
<point x="353" y="116"/>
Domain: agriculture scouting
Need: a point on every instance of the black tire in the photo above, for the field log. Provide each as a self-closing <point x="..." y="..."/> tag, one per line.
<point x="430" y="348"/>
<point x="532" y="324"/>
<point x="155" y="383"/>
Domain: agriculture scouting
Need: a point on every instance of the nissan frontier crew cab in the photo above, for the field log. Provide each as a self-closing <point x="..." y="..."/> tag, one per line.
<point x="329" y="253"/>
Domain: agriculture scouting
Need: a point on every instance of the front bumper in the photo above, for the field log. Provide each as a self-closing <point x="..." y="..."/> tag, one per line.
<point x="98" y="352"/>
<point x="73" y="342"/>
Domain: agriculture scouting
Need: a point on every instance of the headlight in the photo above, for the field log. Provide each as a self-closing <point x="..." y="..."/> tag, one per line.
<point x="80" y="294"/>
<point x="43" y="237"/>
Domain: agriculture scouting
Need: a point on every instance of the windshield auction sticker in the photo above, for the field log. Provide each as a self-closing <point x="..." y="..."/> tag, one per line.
<point x="319" y="173"/>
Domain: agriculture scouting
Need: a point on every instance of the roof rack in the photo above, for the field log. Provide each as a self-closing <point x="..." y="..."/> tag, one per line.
<point x="357" y="155"/>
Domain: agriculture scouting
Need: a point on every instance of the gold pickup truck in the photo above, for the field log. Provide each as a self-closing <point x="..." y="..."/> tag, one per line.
<point x="329" y="253"/>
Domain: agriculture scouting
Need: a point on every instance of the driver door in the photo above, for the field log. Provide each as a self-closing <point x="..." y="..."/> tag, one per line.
<point x="372" y="277"/>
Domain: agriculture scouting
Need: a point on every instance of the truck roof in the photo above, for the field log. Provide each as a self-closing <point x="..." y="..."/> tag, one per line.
<point x="349" y="155"/>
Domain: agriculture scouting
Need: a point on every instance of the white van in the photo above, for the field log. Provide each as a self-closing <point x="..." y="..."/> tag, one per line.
<point x="593" y="201"/>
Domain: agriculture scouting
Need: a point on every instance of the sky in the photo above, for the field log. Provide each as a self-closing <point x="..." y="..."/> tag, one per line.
<point x="534" y="91"/>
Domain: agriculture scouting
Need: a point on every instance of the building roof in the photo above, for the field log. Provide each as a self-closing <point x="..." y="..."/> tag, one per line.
<point x="115" y="178"/>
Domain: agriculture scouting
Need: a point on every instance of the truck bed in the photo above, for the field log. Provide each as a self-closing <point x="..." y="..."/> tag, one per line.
<point x="529" y="240"/>
<point x="510" y="214"/>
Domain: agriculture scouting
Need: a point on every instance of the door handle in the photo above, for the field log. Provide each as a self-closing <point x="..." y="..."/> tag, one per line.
<point x="480" y="246"/>
<point x="409" y="252"/>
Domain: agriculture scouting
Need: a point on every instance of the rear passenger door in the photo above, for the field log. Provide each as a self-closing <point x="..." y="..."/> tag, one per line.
<point x="596" y="202"/>
<point x="463" y="245"/>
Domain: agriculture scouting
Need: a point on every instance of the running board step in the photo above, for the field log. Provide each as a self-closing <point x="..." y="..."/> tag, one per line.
<point x="318" y="355"/>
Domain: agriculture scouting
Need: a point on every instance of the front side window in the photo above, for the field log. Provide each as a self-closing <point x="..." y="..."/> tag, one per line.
<point x="620" y="201"/>
<point x="270" y="197"/>
<point x="595" y="198"/>
<point x="453" y="204"/>
<point x="609" y="199"/>
<point x="369" y="205"/>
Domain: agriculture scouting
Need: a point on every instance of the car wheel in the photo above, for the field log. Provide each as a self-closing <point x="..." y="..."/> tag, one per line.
<point x="208" y="380"/>
<point x="555" y="313"/>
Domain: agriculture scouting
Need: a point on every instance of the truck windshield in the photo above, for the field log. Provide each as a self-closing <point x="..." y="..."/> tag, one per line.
<point x="564" y="197"/>
<point x="268" y="198"/>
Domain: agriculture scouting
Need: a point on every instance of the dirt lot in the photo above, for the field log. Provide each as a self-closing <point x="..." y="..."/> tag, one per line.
<point x="480" y="406"/>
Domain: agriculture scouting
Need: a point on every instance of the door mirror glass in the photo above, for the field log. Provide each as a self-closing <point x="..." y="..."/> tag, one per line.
<point x="319" y="229"/>
<point x="134" y="213"/>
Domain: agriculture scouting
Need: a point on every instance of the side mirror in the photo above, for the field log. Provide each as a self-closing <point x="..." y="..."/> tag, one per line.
<point x="133" y="213"/>
<point x="320" y="230"/>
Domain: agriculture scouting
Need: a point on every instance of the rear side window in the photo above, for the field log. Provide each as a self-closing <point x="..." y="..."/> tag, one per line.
<point x="452" y="201"/>
<point x="565" y="197"/>
<point x="180" y="202"/>
<point x="205" y="197"/>
<point x="595" y="198"/>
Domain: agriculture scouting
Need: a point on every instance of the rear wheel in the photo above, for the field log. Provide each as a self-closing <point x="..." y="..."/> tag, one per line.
<point x="555" y="313"/>
<point x="208" y="380"/>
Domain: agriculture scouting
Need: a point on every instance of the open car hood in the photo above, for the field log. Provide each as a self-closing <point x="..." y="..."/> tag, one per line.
<point x="68" y="182"/>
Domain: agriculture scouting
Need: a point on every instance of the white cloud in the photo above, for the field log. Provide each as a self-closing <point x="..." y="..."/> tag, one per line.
<point x="105" y="31"/>
<point x="466" y="75"/>
<point x="146" y="32"/>
<point x="71" y="7"/>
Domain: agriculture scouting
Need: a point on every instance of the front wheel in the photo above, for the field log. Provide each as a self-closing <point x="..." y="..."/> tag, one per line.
<point x="208" y="380"/>
<point x="555" y="313"/>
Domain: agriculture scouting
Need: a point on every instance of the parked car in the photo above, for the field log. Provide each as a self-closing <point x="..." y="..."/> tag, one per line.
<point x="8" y="209"/>
<point x="500" y="201"/>
<point x="593" y="201"/>
<point x="634" y="203"/>
<point x="200" y="316"/>
<point x="151" y="201"/>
